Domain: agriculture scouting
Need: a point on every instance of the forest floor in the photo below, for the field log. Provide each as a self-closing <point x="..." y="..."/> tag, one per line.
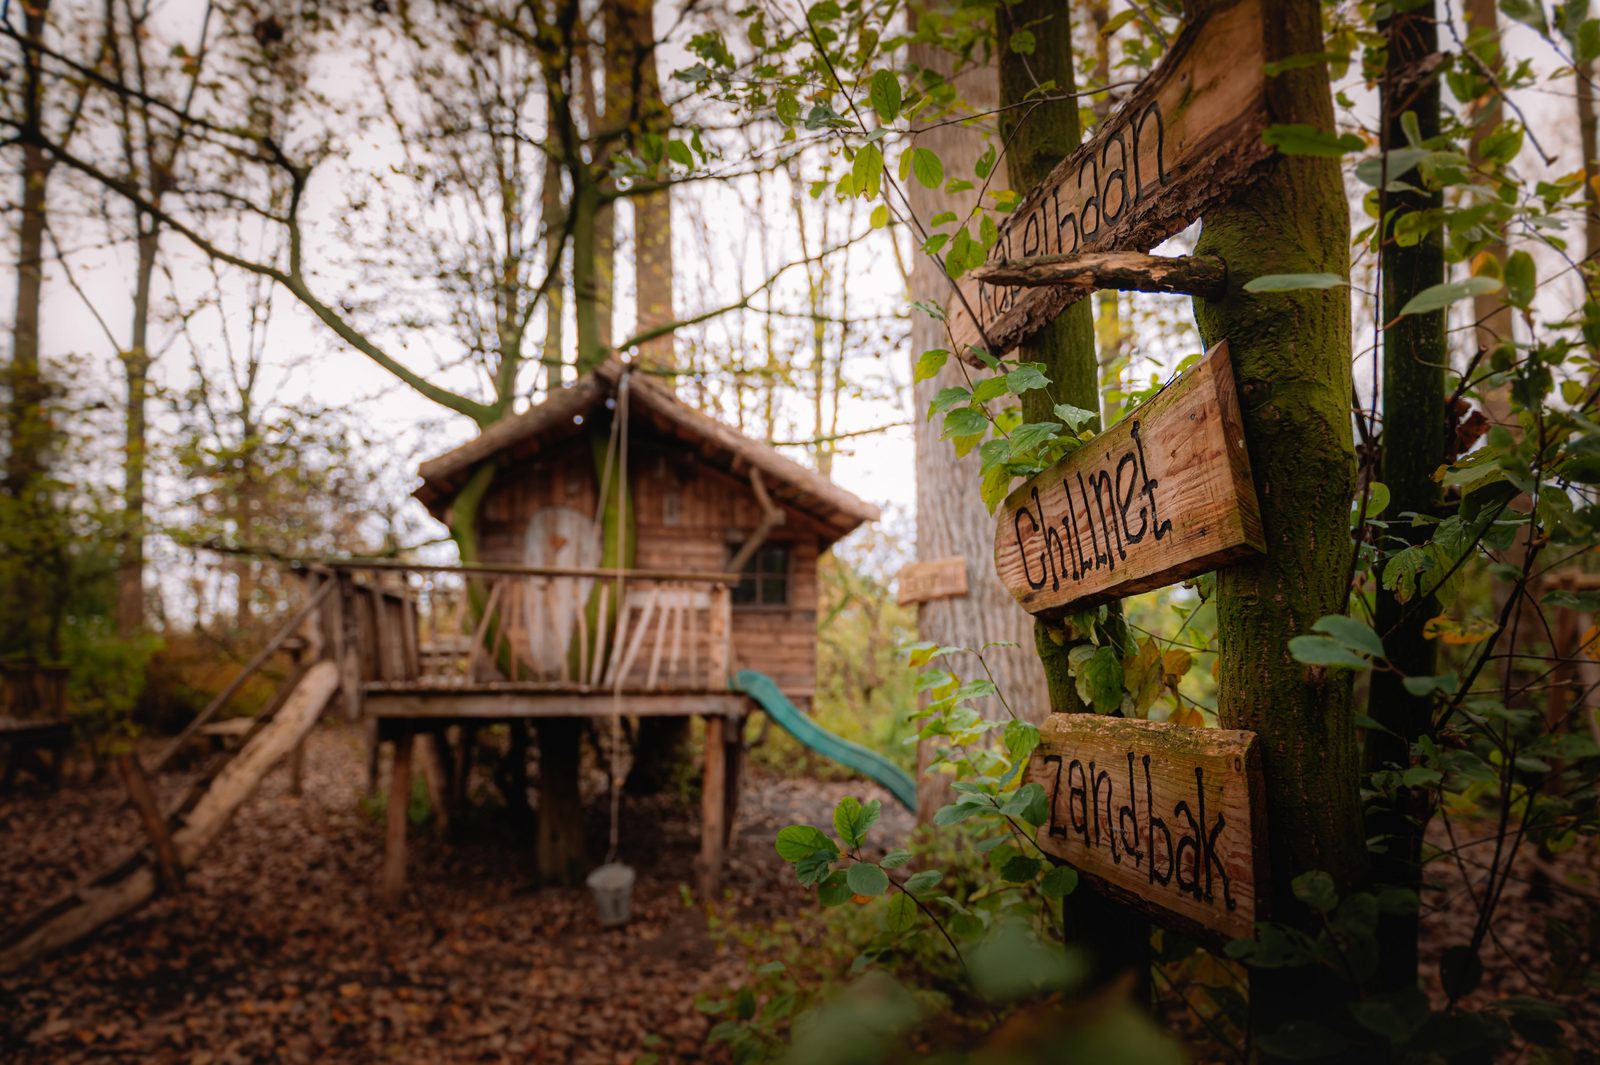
<point x="277" y="949"/>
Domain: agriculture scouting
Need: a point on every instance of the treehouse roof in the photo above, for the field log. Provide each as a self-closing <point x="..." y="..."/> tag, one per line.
<point x="653" y="405"/>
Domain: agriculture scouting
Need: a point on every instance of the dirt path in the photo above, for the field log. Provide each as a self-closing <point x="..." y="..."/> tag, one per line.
<point x="277" y="950"/>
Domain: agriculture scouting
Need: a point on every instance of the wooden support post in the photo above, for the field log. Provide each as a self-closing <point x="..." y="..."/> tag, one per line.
<point x="719" y="637"/>
<point x="734" y="751"/>
<point x="155" y="826"/>
<point x="433" y="772"/>
<point x="1129" y="271"/>
<point x="713" y="806"/>
<point x="393" y="882"/>
<point x="347" y="649"/>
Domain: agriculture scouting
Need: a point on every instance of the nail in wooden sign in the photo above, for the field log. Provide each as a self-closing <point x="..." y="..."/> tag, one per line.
<point x="1163" y="495"/>
<point x="939" y="578"/>
<point x="1188" y="137"/>
<point x="1169" y="819"/>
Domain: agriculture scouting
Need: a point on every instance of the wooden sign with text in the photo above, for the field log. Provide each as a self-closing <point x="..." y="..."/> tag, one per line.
<point x="939" y="578"/>
<point x="1166" y="818"/>
<point x="1163" y="495"/>
<point x="1187" y="138"/>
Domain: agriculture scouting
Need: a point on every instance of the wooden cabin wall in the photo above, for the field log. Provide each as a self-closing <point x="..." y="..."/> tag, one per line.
<point x="687" y="516"/>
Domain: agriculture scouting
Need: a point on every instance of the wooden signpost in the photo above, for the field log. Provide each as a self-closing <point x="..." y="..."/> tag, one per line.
<point x="939" y="578"/>
<point x="1163" y="495"/>
<point x="1170" y="820"/>
<point x="1187" y="138"/>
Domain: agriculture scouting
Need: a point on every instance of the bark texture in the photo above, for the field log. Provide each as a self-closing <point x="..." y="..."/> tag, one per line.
<point x="1292" y="357"/>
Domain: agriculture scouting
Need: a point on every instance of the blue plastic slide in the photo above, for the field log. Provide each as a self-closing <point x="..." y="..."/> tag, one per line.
<point x="870" y="764"/>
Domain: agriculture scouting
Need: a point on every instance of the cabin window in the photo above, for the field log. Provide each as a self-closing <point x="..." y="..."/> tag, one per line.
<point x="766" y="578"/>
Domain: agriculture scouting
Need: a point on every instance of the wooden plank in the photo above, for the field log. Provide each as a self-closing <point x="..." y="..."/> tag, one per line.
<point x="601" y="627"/>
<point x="938" y="578"/>
<point x="1169" y="819"/>
<point x="1188" y="137"/>
<point x="1163" y="495"/>
<point x="137" y="784"/>
<point x="393" y="880"/>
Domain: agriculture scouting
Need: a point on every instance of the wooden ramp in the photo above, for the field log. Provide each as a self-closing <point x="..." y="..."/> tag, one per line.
<point x="195" y="824"/>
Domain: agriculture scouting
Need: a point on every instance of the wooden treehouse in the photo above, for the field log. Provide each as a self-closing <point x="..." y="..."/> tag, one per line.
<point x="726" y="536"/>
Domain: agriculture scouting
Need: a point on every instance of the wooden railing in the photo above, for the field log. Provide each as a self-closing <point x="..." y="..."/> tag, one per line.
<point x="444" y="626"/>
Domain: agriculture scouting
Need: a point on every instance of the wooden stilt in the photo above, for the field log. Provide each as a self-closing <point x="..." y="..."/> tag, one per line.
<point x="155" y="825"/>
<point x="394" y="845"/>
<point x="713" y="806"/>
<point x="734" y="749"/>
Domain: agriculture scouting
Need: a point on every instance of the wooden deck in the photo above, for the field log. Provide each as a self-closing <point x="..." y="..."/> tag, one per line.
<point x="439" y="703"/>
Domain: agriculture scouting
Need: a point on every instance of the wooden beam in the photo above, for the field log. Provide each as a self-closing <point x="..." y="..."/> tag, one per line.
<point x="511" y="705"/>
<point x="713" y="807"/>
<point x="771" y="517"/>
<point x="515" y="570"/>
<point x="393" y="881"/>
<point x="155" y="825"/>
<point x="1128" y="271"/>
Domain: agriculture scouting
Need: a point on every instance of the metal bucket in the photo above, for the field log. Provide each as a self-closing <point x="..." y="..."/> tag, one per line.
<point x="612" y="887"/>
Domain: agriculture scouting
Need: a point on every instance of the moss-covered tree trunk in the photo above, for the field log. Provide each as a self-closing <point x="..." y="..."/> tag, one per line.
<point x="1039" y="137"/>
<point x="1291" y="354"/>
<point x="1414" y="433"/>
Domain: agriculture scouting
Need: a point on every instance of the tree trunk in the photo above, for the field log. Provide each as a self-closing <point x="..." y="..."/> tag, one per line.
<point x="1291" y="354"/>
<point x="1414" y="441"/>
<point x="951" y="518"/>
<point x="652" y="213"/>
<point x="24" y="629"/>
<point x="136" y="366"/>
<point x="1039" y="138"/>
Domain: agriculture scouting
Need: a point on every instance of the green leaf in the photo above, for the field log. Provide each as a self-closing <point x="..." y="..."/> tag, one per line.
<point x="996" y="483"/>
<point x="851" y="819"/>
<point x="1323" y="651"/>
<point x="902" y="915"/>
<point x="1393" y="165"/>
<point x="879" y="217"/>
<point x="1356" y="635"/>
<point x="1019" y="870"/>
<point x="946" y="398"/>
<point x="679" y="153"/>
<point x="989" y="388"/>
<point x="895" y="858"/>
<point x="1024" y="438"/>
<point x="1294" y="282"/>
<point x="1302" y="1041"/>
<point x="1438" y="297"/>
<point x="964" y="421"/>
<point x="1076" y="418"/>
<point x="1527" y="12"/>
<point x="867" y="879"/>
<point x="929" y="363"/>
<point x="1460" y="971"/>
<point x="867" y="171"/>
<point x="923" y="882"/>
<point x="1022" y="42"/>
<point x="1059" y="882"/>
<point x="1377" y="500"/>
<point x="1397" y="1016"/>
<point x="813" y="869"/>
<point x="885" y="95"/>
<point x="1316" y="889"/>
<point x="941" y="218"/>
<point x="835" y="890"/>
<point x="1026" y="378"/>
<point x="1443" y="682"/>
<point x="1099" y="680"/>
<point x="798" y="841"/>
<point x="1297" y="138"/>
<point x="1522" y="279"/>
<point x="1420" y="776"/>
<point x="1021" y="738"/>
<point x="927" y="168"/>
